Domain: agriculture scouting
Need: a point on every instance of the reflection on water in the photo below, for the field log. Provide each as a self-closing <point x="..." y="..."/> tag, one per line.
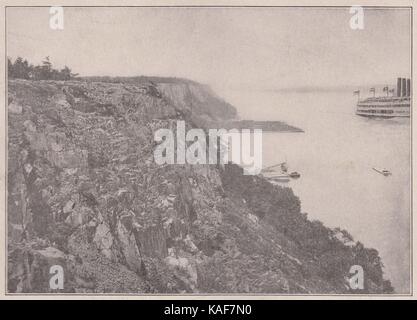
<point x="335" y="156"/>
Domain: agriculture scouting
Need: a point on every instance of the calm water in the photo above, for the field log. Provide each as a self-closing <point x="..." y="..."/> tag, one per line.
<point x="335" y="156"/>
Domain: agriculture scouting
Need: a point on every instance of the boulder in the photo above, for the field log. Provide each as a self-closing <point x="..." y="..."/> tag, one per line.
<point x="15" y="108"/>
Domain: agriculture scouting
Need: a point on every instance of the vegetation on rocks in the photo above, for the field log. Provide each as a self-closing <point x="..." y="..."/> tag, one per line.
<point x="85" y="193"/>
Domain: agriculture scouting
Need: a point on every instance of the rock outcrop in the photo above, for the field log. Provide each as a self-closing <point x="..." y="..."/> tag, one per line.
<point x="84" y="193"/>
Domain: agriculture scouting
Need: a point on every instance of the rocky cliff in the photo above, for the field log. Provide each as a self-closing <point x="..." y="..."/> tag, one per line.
<point x="84" y="193"/>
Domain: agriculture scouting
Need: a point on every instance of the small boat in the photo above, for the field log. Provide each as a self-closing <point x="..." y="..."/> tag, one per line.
<point x="282" y="165"/>
<point x="277" y="177"/>
<point x="294" y="174"/>
<point x="384" y="172"/>
<point x="280" y="179"/>
<point x="268" y="173"/>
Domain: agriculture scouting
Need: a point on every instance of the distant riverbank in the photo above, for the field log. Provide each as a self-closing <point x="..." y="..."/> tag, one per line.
<point x="268" y="126"/>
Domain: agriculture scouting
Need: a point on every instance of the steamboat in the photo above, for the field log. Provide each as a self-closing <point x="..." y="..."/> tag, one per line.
<point x="396" y="105"/>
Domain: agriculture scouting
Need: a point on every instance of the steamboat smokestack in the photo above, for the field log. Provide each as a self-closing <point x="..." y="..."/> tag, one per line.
<point x="408" y="91"/>
<point x="403" y="87"/>
<point x="398" y="87"/>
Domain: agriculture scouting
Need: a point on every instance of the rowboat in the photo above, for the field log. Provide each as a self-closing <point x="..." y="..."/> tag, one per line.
<point x="294" y="174"/>
<point x="268" y="173"/>
<point x="384" y="172"/>
<point x="280" y="179"/>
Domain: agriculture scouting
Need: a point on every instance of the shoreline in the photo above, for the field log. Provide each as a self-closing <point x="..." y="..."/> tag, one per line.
<point x="83" y="151"/>
<point x="265" y="125"/>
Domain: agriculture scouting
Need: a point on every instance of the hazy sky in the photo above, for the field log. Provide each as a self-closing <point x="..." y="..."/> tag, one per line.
<point x="262" y="47"/>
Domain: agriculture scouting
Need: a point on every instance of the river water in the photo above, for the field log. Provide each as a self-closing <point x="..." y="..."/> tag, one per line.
<point x="335" y="156"/>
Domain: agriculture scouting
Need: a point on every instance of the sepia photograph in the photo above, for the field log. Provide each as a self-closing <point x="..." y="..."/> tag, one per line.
<point x="208" y="150"/>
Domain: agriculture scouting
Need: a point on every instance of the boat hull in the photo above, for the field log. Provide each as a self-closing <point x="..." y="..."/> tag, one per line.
<point x="376" y="117"/>
<point x="384" y="107"/>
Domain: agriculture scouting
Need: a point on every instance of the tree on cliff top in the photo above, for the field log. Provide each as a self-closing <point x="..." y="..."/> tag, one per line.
<point x="21" y="69"/>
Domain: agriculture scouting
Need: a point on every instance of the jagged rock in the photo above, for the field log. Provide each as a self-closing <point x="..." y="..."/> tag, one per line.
<point x="52" y="254"/>
<point x="79" y="216"/>
<point x="84" y="192"/>
<point x="68" y="159"/>
<point x="30" y="270"/>
<point x="253" y="218"/>
<point x="153" y="241"/>
<point x="104" y="240"/>
<point x="183" y="268"/>
<point x="15" y="232"/>
<point x="29" y="125"/>
<point x="129" y="248"/>
<point x="68" y="206"/>
<point x="15" y="108"/>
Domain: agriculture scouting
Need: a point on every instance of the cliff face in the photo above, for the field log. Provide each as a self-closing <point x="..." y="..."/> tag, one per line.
<point x="85" y="193"/>
<point x="197" y="99"/>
